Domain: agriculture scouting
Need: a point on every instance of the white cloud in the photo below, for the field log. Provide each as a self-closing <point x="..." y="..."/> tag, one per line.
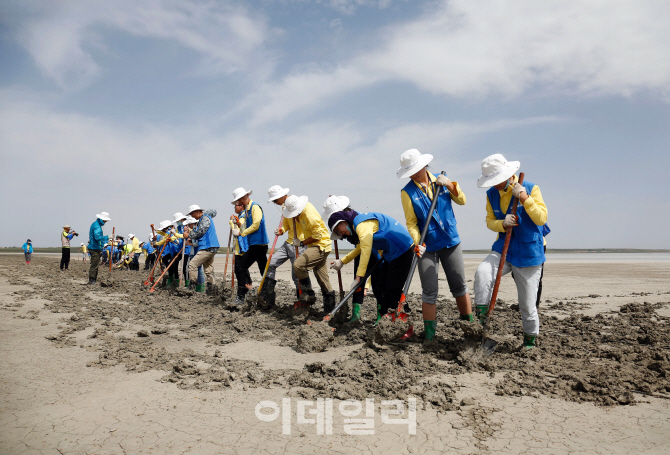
<point x="60" y="35"/>
<point x="470" y="48"/>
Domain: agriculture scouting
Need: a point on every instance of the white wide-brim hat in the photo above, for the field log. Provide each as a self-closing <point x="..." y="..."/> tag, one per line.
<point x="239" y="193"/>
<point x="496" y="169"/>
<point x="178" y="217"/>
<point x="104" y="216"/>
<point x="190" y="220"/>
<point x="82" y="244"/>
<point x="275" y="192"/>
<point x="164" y="224"/>
<point x="294" y="205"/>
<point x="193" y="208"/>
<point x="130" y="236"/>
<point x="334" y="204"/>
<point x="411" y="162"/>
<point x="334" y="235"/>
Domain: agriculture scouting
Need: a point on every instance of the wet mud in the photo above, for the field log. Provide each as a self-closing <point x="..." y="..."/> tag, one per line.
<point x="608" y="358"/>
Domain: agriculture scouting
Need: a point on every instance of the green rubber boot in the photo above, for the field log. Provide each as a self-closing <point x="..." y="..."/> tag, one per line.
<point x="429" y="328"/>
<point x="467" y="317"/>
<point x="200" y="288"/>
<point x="528" y="341"/>
<point x="168" y="284"/>
<point x="482" y="313"/>
<point x="356" y="312"/>
<point x="186" y="283"/>
<point x="379" y="313"/>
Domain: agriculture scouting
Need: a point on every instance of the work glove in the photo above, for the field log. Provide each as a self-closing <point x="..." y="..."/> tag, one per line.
<point x="355" y="283"/>
<point x="420" y="249"/>
<point x="279" y="231"/>
<point x="296" y="242"/>
<point x="509" y="221"/>
<point x="337" y="265"/>
<point x="236" y="232"/>
<point x="517" y="190"/>
<point x="442" y="180"/>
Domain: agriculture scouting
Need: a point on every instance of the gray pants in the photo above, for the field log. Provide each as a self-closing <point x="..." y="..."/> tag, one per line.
<point x="282" y="254"/>
<point x="527" y="281"/>
<point x="454" y="269"/>
<point x="27" y="256"/>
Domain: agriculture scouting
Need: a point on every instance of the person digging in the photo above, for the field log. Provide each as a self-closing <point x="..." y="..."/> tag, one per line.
<point x="526" y="253"/>
<point x="208" y="245"/>
<point x="240" y="248"/>
<point x="442" y="243"/>
<point x="315" y="256"/>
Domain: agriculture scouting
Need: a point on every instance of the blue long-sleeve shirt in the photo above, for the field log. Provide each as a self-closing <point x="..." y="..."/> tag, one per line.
<point x="96" y="239"/>
<point x="27" y="248"/>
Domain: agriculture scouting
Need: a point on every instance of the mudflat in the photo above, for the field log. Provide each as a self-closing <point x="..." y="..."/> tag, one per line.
<point x="118" y="369"/>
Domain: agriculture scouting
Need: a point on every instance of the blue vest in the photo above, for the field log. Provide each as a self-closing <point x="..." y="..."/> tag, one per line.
<point x="147" y="246"/>
<point x="392" y="237"/>
<point x="260" y="237"/>
<point x="442" y="232"/>
<point x="209" y="240"/>
<point x="187" y="250"/>
<point x="243" y="242"/>
<point x="526" y="247"/>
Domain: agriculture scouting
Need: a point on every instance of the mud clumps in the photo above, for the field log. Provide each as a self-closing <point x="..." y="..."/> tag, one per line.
<point x="388" y="330"/>
<point x="472" y="329"/>
<point x="314" y="337"/>
<point x="106" y="280"/>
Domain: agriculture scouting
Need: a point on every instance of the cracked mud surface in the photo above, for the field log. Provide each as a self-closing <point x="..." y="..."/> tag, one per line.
<point x="616" y="358"/>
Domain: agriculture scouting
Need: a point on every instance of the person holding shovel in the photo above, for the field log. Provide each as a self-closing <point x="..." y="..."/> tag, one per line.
<point x="190" y="224"/>
<point x="136" y="250"/>
<point x="376" y="231"/>
<point x="240" y="248"/>
<point x="149" y="254"/>
<point x="171" y="251"/>
<point x="208" y="244"/>
<point x="96" y="242"/>
<point x="442" y="243"/>
<point x="286" y="252"/>
<point x="525" y="255"/>
<point x="27" y="250"/>
<point x="178" y="223"/>
<point x="254" y="232"/>
<point x="315" y="255"/>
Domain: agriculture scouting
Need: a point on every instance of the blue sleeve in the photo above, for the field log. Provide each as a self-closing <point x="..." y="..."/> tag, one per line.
<point x="69" y="237"/>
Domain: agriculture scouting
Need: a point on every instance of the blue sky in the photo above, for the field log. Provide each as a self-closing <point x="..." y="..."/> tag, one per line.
<point x="142" y="108"/>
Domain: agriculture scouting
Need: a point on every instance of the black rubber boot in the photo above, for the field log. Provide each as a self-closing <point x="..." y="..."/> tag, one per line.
<point x="308" y="296"/>
<point x="268" y="296"/>
<point x="329" y="301"/>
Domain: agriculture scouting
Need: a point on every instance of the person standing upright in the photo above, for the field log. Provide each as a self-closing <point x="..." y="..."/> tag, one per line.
<point x="28" y="250"/>
<point x="96" y="242"/>
<point x="255" y="232"/>
<point x="65" y="238"/>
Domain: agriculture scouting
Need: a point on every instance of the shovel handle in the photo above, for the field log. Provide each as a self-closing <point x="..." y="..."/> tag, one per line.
<point x="339" y="273"/>
<point x="297" y="255"/>
<point x="503" y="256"/>
<point x="267" y="264"/>
<point x="167" y="268"/>
<point x="351" y="292"/>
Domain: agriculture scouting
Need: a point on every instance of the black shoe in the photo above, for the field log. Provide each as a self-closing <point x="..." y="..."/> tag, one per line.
<point x="329" y="301"/>
<point x="267" y="296"/>
<point x="90" y="282"/>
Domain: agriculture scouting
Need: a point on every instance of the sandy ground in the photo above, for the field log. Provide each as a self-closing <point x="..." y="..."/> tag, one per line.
<point x="75" y="381"/>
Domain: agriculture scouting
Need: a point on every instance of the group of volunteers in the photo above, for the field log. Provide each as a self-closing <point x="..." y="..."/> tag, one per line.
<point x="384" y="248"/>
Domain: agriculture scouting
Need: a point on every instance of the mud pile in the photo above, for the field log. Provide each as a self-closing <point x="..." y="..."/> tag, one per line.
<point x="604" y="359"/>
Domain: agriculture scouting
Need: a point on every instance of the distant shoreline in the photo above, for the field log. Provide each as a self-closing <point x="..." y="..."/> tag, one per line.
<point x="343" y="250"/>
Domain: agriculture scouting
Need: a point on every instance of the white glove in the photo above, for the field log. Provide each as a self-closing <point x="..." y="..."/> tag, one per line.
<point x="442" y="180"/>
<point x="509" y="221"/>
<point x="296" y="242"/>
<point x="279" y="231"/>
<point x="236" y="232"/>
<point x="419" y="250"/>
<point x="517" y="189"/>
<point x="355" y="283"/>
<point x="337" y="265"/>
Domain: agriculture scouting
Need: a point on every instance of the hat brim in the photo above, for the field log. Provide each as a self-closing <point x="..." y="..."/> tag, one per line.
<point x="334" y="235"/>
<point x="505" y="173"/>
<point x="423" y="161"/>
<point x="283" y="192"/>
<point x="104" y="218"/>
<point x="302" y="203"/>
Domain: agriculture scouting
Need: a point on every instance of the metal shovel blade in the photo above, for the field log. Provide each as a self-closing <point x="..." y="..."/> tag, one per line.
<point x="488" y="346"/>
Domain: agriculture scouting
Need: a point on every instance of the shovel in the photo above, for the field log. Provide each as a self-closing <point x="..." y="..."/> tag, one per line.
<point x="351" y="292"/>
<point x="400" y="312"/>
<point x="267" y="264"/>
<point x="225" y="269"/>
<point x="150" y="278"/>
<point x="297" y="306"/>
<point x="488" y="344"/>
<point x="153" y="288"/>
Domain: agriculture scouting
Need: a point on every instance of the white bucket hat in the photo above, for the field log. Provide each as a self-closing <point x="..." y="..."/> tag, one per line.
<point x="294" y="205"/>
<point x="82" y="244"/>
<point x="104" y="216"/>
<point x="334" y="204"/>
<point x="496" y="169"/>
<point x="178" y="217"/>
<point x="190" y="220"/>
<point x="193" y="208"/>
<point x="239" y="193"/>
<point x="411" y="162"/>
<point x="275" y="192"/>
<point x="130" y="236"/>
<point x="164" y="224"/>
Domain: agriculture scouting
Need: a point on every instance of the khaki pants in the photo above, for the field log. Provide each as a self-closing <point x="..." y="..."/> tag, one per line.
<point x="204" y="259"/>
<point x="314" y="258"/>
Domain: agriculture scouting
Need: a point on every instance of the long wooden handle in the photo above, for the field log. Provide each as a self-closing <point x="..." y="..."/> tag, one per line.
<point x="297" y="255"/>
<point x="508" y="237"/>
<point x="166" y="268"/>
<point x="267" y="264"/>
<point x="339" y="273"/>
<point x="112" y="253"/>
